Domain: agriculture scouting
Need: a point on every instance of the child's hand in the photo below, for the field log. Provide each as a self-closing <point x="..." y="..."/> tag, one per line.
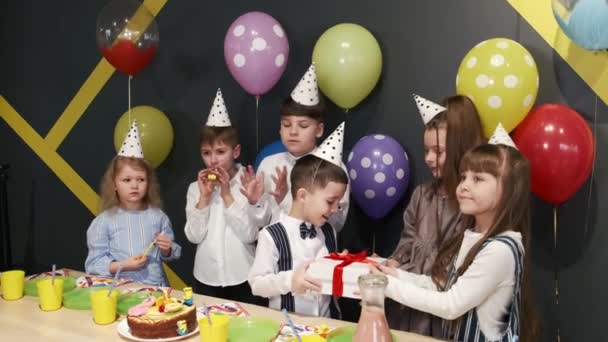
<point x="392" y="263"/>
<point x="252" y="186"/>
<point x="134" y="263"/>
<point x="302" y="282"/>
<point x="205" y="185"/>
<point x="163" y="243"/>
<point x="381" y="269"/>
<point x="280" y="184"/>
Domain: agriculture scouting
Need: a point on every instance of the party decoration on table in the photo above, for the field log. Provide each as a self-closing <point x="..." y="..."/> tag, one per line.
<point x="127" y="35"/>
<point x="427" y="108"/>
<point x="559" y="145"/>
<point x="188" y="294"/>
<point x="291" y="325"/>
<point x="256" y="51"/>
<point x="94" y="281"/>
<point x="269" y="150"/>
<point x="62" y="272"/>
<point x="501" y="78"/>
<point x="155" y="132"/>
<point x="230" y="309"/>
<point x="182" y="327"/>
<point x="31" y="289"/>
<point x="348" y="62"/>
<point x="308" y="333"/>
<point x="379" y="171"/>
<point x="583" y="21"/>
<point x="252" y="329"/>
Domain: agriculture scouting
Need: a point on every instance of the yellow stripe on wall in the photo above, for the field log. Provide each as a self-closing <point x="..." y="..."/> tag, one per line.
<point x="591" y="66"/>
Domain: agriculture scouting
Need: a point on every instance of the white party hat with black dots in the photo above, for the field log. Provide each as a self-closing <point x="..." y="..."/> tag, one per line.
<point x="428" y="109"/>
<point x="331" y="148"/>
<point x="501" y="136"/>
<point x="218" y="115"/>
<point x="131" y="146"/>
<point x="306" y="92"/>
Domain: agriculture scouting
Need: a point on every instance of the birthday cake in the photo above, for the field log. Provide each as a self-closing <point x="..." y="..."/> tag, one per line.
<point x="163" y="317"/>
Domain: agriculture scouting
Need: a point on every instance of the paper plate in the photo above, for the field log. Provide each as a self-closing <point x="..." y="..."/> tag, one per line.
<point x="345" y="334"/>
<point x="31" y="289"/>
<point x="252" y="329"/>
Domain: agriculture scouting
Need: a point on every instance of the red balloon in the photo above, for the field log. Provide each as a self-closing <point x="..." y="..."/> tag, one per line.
<point x="558" y="143"/>
<point x="126" y="57"/>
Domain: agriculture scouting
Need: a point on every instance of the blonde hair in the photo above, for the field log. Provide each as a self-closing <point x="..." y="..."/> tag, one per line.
<point x="109" y="198"/>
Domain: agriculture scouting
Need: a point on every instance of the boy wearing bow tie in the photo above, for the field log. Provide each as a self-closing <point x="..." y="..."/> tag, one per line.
<point x="286" y="248"/>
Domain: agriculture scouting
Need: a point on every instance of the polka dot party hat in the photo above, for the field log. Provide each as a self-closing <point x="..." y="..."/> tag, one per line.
<point x="306" y="92"/>
<point x="428" y="109"/>
<point x="218" y="115"/>
<point x="331" y="148"/>
<point x="501" y="136"/>
<point x="131" y="146"/>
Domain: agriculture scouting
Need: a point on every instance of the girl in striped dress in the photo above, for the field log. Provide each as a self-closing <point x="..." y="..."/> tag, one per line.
<point x="479" y="279"/>
<point x="132" y="233"/>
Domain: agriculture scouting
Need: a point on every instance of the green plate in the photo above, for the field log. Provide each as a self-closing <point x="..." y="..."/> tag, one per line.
<point x="80" y="298"/>
<point x="252" y="329"/>
<point x="345" y="334"/>
<point x="30" y="288"/>
<point x="129" y="300"/>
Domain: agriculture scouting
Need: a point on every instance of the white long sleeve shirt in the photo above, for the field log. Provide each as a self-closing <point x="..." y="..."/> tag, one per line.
<point x="266" y="280"/>
<point x="267" y="210"/>
<point x="486" y="286"/>
<point x="225" y="236"/>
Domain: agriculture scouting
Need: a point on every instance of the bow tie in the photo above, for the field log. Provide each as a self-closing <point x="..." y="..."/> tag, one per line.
<point x="306" y="232"/>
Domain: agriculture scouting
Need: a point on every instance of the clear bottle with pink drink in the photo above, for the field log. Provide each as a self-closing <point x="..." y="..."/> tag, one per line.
<point x="372" y="326"/>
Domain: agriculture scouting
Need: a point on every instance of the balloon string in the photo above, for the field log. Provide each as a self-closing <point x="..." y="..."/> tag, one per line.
<point x="129" y="96"/>
<point x="257" y="124"/>
<point x="592" y="167"/>
<point x="556" y="267"/>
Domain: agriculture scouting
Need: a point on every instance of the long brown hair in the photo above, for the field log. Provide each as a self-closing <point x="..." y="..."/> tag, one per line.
<point x="512" y="213"/>
<point x="464" y="131"/>
<point x="109" y="198"/>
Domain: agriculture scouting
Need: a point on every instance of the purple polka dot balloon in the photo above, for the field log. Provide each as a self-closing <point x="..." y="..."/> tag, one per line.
<point x="256" y="51"/>
<point x="379" y="172"/>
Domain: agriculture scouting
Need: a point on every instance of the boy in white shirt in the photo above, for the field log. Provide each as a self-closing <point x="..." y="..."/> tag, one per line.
<point x="286" y="248"/>
<point x="216" y="215"/>
<point x="301" y="126"/>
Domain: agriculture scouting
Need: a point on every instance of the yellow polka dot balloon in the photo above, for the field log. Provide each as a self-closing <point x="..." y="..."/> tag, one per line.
<point x="500" y="77"/>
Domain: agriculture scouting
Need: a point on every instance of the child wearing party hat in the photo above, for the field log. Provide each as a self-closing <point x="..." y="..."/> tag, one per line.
<point x="432" y="215"/>
<point x="216" y="212"/>
<point x="131" y="220"/>
<point x="303" y="234"/>
<point x="301" y="126"/>
<point x="480" y="278"/>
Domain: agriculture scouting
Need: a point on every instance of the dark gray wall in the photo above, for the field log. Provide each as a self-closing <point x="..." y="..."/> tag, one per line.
<point x="48" y="50"/>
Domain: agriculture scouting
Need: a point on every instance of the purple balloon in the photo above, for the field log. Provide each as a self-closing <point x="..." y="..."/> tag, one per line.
<point x="256" y="51"/>
<point x="379" y="171"/>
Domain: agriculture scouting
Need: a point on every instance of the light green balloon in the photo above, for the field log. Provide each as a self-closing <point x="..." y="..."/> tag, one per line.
<point x="348" y="60"/>
<point x="155" y="132"/>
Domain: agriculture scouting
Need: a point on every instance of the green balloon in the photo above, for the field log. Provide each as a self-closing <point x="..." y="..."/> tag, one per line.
<point x="348" y="60"/>
<point x="155" y="132"/>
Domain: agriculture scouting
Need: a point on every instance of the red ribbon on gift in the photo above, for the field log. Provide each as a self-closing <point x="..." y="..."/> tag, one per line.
<point x="347" y="259"/>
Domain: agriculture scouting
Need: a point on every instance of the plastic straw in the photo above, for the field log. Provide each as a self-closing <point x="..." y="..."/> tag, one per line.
<point x="291" y="325"/>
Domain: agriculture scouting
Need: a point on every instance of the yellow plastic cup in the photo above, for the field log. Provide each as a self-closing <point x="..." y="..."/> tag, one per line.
<point x="104" y="306"/>
<point x="217" y="331"/>
<point x="12" y="284"/>
<point x="49" y="294"/>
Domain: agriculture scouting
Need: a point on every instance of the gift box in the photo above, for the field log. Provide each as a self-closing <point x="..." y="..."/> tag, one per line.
<point x="339" y="273"/>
